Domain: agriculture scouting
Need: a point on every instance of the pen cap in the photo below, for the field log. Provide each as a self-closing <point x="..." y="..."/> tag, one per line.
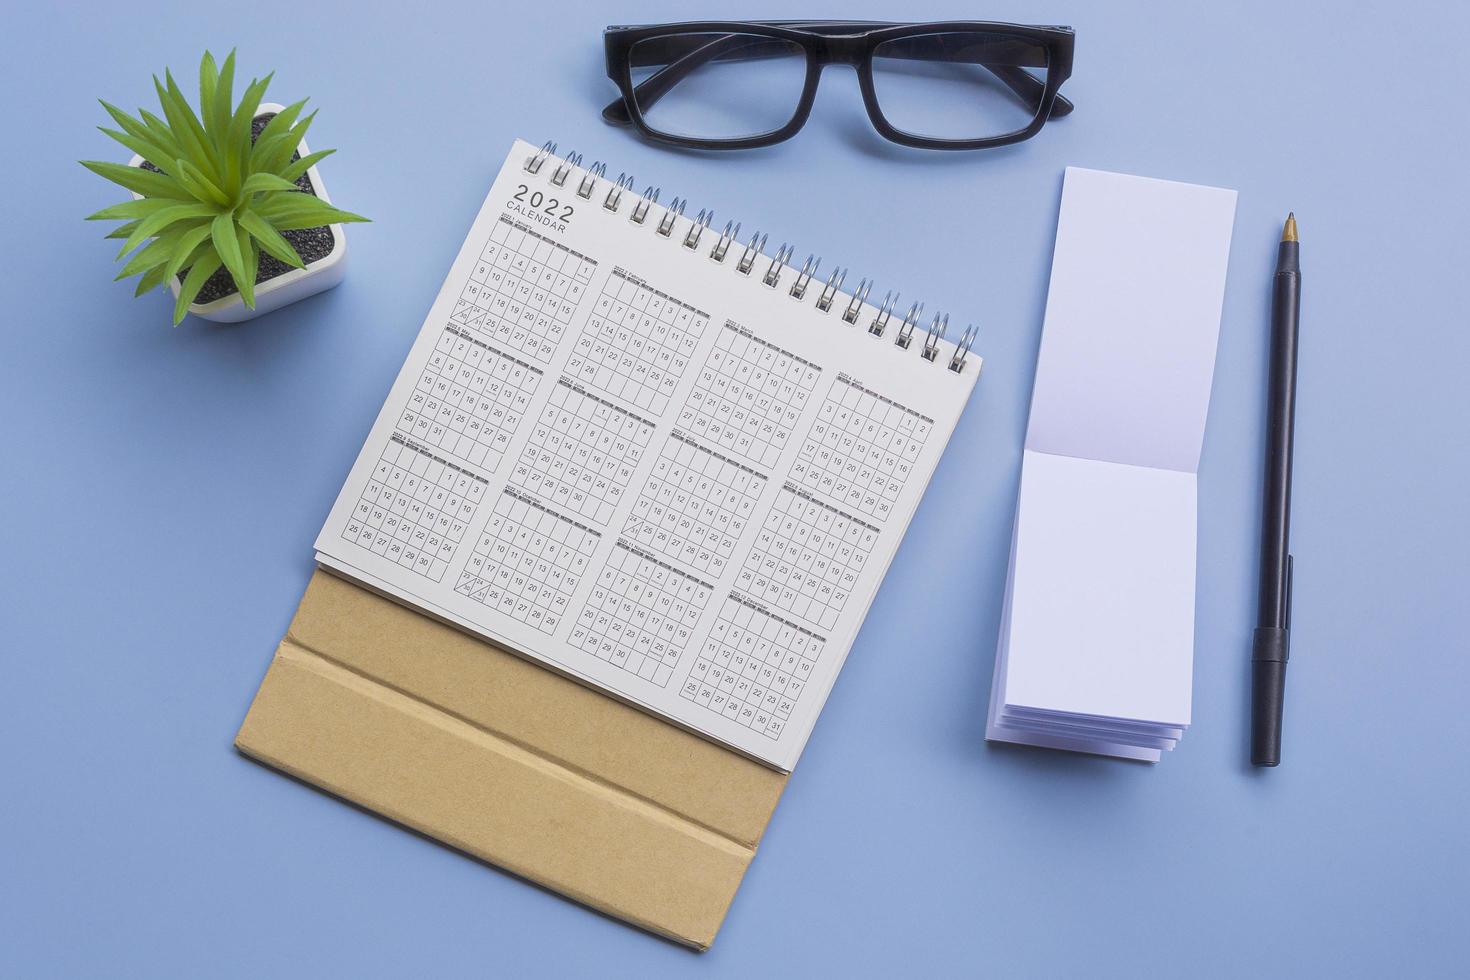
<point x="1268" y="695"/>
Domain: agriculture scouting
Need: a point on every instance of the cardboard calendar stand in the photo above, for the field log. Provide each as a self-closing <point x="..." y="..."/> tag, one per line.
<point x="510" y="762"/>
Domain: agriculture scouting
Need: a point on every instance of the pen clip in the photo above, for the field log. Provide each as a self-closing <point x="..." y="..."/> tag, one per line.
<point x="1289" y="565"/>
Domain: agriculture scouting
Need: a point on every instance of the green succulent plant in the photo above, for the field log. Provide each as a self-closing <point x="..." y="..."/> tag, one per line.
<point x="217" y="196"/>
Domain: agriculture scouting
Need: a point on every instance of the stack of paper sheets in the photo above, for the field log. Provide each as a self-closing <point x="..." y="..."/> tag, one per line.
<point x="1097" y="635"/>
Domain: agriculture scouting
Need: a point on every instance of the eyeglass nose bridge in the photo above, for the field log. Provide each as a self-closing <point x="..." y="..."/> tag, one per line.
<point x="839" y="50"/>
<point x="852" y="52"/>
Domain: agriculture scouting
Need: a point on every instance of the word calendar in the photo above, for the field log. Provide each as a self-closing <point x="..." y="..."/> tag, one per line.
<point x="650" y="457"/>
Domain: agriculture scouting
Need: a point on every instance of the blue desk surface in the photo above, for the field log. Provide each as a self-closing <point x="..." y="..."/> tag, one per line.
<point x="162" y="488"/>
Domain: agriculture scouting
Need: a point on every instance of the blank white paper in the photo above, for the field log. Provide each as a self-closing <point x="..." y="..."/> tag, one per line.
<point x="1132" y="318"/>
<point x="1102" y="607"/>
<point x="1097" y="637"/>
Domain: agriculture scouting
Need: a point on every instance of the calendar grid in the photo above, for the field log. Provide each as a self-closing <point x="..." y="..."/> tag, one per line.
<point x="694" y="505"/>
<point x="861" y="449"/>
<point x="415" y="508"/>
<point x="582" y="453"/>
<point x="470" y="400"/>
<point x="523" y="291"/>
<point x="640" y="614"/>
<point x="754" y="667"/>
<point x="749" y="396"/>
<point x="807" y="558"/>
<point x="528" y="562"/>
<point x="636" y="343"/>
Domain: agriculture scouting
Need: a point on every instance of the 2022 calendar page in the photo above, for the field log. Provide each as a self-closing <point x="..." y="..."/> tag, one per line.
<point x="649" y="457"/>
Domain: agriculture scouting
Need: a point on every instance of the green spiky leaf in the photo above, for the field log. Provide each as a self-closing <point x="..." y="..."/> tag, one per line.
<point x="237" y="137"/>
<point x="140" y="181"/>
<point x="155" y="223"/>
<point x="208" y="84"/>
<point x="224" y="100"/>
<point x="260" y="183"/>
<point x="278" y="126"/>
<point x="150" y="280"/>
<point x="142" y="131"/>
<point x="270" y="239"/>
<point x="205" y="265"/>
<point x="227" y="244"/>
<point x="147" y="149"/>
<point x="250" y="262"/>
<point x="123" y="230"/>
<point x="160" y="131"/>
<point x="280" y="155"/>
<point x="199" y="184"/>
<point x="291" y="211"/>
<point x="183" y="124"/>
<point x="154" y="253"/>
<point x="140" y="208"/>
<point x="191" y="119"/>
<point x="277" y="133"/>
<point x="296" y="168"/>
<point x="187" y="249"/>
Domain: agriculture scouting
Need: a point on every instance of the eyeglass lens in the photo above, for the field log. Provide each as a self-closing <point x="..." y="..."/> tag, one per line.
<point x="717" y="86"/>
<point x="959" y="85"/>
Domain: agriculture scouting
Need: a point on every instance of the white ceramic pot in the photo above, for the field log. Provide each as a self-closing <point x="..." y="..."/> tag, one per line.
<point x="290" y="286"/>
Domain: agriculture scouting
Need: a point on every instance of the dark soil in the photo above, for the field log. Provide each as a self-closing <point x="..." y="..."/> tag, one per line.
<point x="312" y="244"/>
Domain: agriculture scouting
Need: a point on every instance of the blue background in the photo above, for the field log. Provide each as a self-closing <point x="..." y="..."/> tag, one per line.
<point x="161" y="489"/>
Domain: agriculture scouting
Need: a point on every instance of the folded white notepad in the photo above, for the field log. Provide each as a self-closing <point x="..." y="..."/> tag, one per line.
<point x="1097" y="636"/>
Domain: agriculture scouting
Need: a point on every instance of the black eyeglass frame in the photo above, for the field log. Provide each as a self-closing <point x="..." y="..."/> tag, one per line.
<point x="840" y="43"/>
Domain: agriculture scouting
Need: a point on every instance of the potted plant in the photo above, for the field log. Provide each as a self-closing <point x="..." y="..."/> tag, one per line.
<point x="228" y="207"/>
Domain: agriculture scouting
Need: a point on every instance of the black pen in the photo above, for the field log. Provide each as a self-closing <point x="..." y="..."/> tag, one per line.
<point x="1271" y="643"/>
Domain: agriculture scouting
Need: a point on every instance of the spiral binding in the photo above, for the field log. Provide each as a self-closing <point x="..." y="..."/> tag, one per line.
<point x="804" y="278"/>
<point x="834" y="283"/>
<point x="772" y="277"/>
<point x="936" y="334"/>
<point x="614" y="197"/>
<point x="727" y="237"/>
<point x="747" y="258"/>
<point x="754" y="250"/>
<point x="850" y="315"/>
<point x="696" y="229"/>
<point x="589" y="180"/>
<point x="672" y="213"/>
<point x="564" y="169"/>
<point x="640" y="210"/>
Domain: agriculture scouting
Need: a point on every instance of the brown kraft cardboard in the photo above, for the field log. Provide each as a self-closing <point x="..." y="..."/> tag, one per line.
<point x="510" y="762"/>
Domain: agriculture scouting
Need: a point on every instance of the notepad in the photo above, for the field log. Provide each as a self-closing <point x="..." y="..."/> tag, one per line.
<point x="647" y="454"/>
<point x="1097" y="634"/>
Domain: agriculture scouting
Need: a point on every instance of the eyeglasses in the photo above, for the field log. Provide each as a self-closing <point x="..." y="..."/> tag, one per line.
<point x="959" y="85"/>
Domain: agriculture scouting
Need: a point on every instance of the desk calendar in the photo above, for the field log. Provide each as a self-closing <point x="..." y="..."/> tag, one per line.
<point x="649" y="455"/>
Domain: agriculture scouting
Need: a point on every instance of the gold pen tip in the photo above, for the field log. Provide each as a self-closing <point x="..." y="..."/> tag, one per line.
<point x="1288" y="232"/>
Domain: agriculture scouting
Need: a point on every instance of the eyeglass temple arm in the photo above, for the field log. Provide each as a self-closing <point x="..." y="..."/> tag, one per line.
<point x="1025" y="85"/>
